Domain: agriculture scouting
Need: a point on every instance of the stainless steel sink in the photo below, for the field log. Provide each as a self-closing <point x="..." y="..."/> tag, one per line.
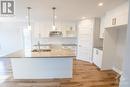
<point x="41" y="50"/>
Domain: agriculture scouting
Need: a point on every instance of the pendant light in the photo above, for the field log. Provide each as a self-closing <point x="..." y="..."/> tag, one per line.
<point x="54" y="20"/>
<point x="54" y="32"/>
<point x="29" y="17"/>
<point x="27" y="34"/>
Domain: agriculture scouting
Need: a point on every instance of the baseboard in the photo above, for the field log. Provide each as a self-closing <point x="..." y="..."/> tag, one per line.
<point x="117" y="70"/>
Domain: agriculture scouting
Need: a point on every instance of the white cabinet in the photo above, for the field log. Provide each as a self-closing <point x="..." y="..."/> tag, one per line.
<point x="42" y="29"/>
<point x="97" y="57"/>
<point x="117" y="16"/>
<point x="69" y="31"/>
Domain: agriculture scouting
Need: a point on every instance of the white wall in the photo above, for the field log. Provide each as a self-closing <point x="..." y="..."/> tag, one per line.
<point x="109" y="48"/>
<point x="10" y="37"/>
<point x="120" y="50"/>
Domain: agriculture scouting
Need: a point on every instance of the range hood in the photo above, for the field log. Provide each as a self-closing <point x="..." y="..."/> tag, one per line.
<point x="54" y="32"/>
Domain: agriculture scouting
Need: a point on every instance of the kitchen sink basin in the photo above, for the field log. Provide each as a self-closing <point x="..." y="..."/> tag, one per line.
<point x="41" y="50"/>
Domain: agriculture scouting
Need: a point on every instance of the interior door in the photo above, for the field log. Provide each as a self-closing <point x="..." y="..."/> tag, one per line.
<point x="85" y="39"/>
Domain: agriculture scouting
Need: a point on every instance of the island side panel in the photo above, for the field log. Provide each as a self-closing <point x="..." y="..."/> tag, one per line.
<point x="42" y="68"/>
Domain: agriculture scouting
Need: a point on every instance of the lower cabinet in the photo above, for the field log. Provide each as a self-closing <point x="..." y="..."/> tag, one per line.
<point x="97" y="57"/>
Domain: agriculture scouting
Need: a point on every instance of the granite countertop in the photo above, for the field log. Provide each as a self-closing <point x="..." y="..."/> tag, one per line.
<point x="59" y="44"/>
<point x="100" y="48"/>
<point x="54" y="53"/>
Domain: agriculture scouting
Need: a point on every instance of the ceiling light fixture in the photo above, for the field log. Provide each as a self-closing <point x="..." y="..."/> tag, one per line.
<point x="100" y="4"/>
<point x="54" y="18"/>
<point x="29" y="17"/>
<point x="55" y="32"/>
<point x="83" y="18"/>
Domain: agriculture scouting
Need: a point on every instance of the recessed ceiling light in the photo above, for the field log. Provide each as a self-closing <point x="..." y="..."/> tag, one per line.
<point x="55" y="17"/>
<point x="100" y="4"/>
<point x="83" y="17"/>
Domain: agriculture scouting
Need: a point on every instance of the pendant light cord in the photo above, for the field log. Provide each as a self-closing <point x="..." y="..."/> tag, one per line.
<point x="28" y="9"/>
<point x="54" y="23"/>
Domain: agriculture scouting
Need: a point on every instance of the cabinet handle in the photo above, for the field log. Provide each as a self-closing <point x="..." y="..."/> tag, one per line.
<point x="80" y="46"/>
<point x="97" y="52"/>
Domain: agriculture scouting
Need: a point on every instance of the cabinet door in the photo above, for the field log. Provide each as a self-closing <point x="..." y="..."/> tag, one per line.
<point x="100" y="54"/>
<point x="41" y="30"/>
<point x="36" y="30"/>
<point x="97" y="57"/>
<point x="85" y="39"/>
<point x="117" y="16"/>
<point x="122" y="18"/>
<point x="44" y="30"/>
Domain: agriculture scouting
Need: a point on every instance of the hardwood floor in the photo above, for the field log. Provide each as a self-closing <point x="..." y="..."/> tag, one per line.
<point x="85" y="75"/>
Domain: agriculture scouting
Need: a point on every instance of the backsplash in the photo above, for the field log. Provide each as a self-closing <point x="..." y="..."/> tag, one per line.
<point x="55" y="40"/>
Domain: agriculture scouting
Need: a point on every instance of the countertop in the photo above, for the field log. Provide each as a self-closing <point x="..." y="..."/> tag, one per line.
<point x="54" y="53"/>
<point x="58" y="44"/>
<point x="99" y="48"/>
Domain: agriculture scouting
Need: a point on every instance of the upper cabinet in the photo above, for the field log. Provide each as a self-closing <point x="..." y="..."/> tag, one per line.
<point x="69" y="31"/>
<point x="115" y="17"/>
<point x="42" y="29"/>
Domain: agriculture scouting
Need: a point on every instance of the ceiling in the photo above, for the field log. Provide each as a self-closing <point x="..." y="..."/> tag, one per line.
<point x="70" y="10"/>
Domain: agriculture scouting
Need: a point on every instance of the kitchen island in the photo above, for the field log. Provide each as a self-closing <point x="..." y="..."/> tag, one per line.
<point x="54" y="63"/>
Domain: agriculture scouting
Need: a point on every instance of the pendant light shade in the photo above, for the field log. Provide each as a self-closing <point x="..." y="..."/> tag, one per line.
<point x="54" y="20"/>
<point x="29" y="18"/>
<point x="54" y="32"/>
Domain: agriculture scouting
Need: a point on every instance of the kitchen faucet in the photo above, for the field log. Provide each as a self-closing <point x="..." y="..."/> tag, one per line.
<point x="38" y="45"/>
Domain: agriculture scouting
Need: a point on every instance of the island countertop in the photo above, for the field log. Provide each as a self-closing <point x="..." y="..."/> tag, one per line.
<point x="54" y="53"/>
